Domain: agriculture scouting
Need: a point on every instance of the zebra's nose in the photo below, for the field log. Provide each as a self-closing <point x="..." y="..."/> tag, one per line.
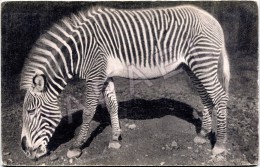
<point x="29" y="152"/>
<point x="24" y="144"/>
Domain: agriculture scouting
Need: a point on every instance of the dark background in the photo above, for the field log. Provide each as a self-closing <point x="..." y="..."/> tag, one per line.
<point x="23" y="22"/>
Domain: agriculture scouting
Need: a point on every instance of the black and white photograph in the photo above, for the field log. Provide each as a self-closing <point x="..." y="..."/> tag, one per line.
<point x="112" y="83"/>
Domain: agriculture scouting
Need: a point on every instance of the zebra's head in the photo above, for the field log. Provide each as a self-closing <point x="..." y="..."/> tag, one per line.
<point x="41" y="116"/>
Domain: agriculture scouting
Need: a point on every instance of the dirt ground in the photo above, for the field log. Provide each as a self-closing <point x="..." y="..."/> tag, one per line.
<point x="162" y="110"/>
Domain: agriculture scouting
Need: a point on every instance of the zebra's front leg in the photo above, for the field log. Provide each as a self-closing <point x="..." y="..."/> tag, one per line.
<point x="92" y="95"/>
<point x="112" y="106"/>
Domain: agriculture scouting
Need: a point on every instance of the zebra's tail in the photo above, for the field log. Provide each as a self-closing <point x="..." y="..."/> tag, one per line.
<point x="226" y="69"/>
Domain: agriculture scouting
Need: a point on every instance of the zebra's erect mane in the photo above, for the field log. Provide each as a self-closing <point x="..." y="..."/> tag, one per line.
<point x="29" y="69"/>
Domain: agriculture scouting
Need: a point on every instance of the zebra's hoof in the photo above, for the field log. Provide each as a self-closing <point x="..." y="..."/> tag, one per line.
<point x="114" y="144"/>
<point x="116" y="137"/>
<point x="74" y="153"/>
<point x="199" y="140"/>
<point x="218" y="149"/>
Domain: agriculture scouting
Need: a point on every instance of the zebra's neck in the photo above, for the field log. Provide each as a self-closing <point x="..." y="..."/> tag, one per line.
<point x="60" y="54"/>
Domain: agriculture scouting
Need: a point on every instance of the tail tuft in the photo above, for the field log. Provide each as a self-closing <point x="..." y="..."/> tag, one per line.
<point x="226" y="70"/>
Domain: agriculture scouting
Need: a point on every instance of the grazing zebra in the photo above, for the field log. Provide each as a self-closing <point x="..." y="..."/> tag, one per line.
<point x="98" y="44"/>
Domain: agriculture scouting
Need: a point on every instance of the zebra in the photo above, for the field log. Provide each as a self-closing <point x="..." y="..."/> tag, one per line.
<point x="100" y="43"/>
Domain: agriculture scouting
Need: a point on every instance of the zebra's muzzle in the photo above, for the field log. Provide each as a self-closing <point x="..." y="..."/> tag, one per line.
<point x="41" y="151"/>
<point x="31" y="153"/>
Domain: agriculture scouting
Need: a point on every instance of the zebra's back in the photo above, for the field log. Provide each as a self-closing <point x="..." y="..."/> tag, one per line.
<point x="152" y="41"/>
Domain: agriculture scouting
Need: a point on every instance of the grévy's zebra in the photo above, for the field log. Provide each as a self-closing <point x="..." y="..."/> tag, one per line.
<point x="98" y="44"/>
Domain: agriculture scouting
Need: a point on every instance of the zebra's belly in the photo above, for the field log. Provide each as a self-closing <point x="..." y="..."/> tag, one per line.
<point x="117" y="68"/>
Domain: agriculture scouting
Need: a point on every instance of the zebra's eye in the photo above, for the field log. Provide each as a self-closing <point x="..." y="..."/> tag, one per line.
<point x="31" y="111"/>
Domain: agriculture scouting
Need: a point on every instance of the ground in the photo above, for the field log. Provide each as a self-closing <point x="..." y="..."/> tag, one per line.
<point x="163" y="112"/>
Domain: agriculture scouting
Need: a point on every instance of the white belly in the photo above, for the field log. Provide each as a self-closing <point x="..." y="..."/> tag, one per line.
<point x="117" y="68"/>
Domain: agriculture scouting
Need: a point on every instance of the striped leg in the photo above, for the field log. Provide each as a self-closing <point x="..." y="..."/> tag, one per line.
<point x="207" y="76"/>
<point x="207" y="111"/>
<point x="93" y="91"/>
<point x="112" y="106"/>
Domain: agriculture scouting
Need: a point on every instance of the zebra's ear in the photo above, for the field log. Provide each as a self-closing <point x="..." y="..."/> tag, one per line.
<point x="39" y="83"/>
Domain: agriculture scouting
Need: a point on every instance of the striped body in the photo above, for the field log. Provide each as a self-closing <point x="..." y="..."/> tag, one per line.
<point x="154" y="41"/>
<point x="101" y="43"/>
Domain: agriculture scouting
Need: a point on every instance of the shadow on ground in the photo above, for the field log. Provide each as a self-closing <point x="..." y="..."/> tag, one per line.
<point x="136" y="109"/>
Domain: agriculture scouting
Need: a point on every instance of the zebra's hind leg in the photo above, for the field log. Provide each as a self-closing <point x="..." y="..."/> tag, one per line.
<point x="209" y="80"/>
<point x="219" y="146"/>
<point x="205" y="130"/>
<point x="206" y="127"/>
<point x="93" y="91"/>
<point x="112" y="106"/>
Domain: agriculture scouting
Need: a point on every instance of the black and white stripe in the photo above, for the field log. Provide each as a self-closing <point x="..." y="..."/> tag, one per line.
<point x="93" y="45"/>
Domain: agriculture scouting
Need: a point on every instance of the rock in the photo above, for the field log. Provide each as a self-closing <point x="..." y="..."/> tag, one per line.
<point x="162" y="163"/>
<point x="245" y="163"/>
<point x="250" y="105"/>
<point x="217" y="158"/>
<point x="5" y="162"/>
<point x="54" y="157"/>
<point x="132" y="126"/>
<point x="74" y="153"/>
<point x="10" y="160"/>
<point x="115" y="145"/>
<point x="6" y="153"/>
<point x="71" y="160"/>
<point x="195" y="114"/>
<point x="174" y="144"/>
<point x="199" y="140"/>
<point x="168" y="147"/>
<point x="189" y="148"/>
<point x="126" y="125"/>
<point x="163" y="148"/>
